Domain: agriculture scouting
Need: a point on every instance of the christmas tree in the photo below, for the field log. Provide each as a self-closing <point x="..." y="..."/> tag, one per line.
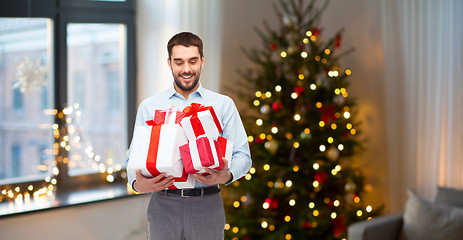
<point x="302" y="134"/>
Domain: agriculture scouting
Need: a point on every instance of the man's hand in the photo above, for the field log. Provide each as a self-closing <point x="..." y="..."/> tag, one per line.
<point x="160" y="182"/>
<point x="216" y="177"/>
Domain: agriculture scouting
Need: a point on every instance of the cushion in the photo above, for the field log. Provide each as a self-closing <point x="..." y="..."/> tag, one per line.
<point x="426" y="220"/>
<point x="449" y="196"/>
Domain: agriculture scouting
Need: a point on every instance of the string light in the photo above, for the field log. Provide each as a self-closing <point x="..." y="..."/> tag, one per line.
<point x="278" y="88"/>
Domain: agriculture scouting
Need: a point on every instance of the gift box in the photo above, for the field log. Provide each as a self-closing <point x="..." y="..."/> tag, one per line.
<point x="226" y="147"/>
<point x="169" y="116"/>
<point x="155" y="149"/>
<point x="200" y="154"/>
<point x="200" y="120"/>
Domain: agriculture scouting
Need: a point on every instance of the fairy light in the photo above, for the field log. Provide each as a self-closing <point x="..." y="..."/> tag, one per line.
<point x="340" y="147"/>
<point x="294" y="95"/>
<point x="264" y="224"/>
<point x="266" y="167"/>
<point x="296" y="168"/>
<point x="304" y="54"/>
<point x="287" y="218"/>
<point x="327" y="51"/>
<point x="311" y="205"/>
<point x="258" y="94"/>
<point x="268" y="94"/>
<point x="297" y="117"/>
<point x="274" y="130"/>
<point x="236" y="204"/>
<point x="250" y="139"/>
<point x="289" y="183"/>
<point x="259" y="122"/>
<point x="278" y="88"/>
<point x="256" y="103"/>
<point x="369" y="208"/>
<point x="316" y="166"/>
<point x="292" y="202"/>
<point x="313" y="86"/>
<point x="283" y="54"/>
<point x="301" y="76"/>
<point x="322" y="148"/>
<point x="252" y="170"/>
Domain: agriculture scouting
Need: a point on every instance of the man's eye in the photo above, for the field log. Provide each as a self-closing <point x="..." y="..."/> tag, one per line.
<point x="193" y="62"/>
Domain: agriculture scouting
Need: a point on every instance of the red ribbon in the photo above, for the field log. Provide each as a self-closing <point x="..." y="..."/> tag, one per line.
<point x="192" y="111"/>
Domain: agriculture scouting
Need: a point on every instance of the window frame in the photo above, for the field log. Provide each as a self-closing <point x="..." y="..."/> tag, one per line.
<point x="64" y="12"/>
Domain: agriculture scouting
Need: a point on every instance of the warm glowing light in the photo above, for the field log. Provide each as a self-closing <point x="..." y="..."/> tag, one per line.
<point x="315" y="184"/>
<point x="336" y="203"/>
<point x="301" y="76"/>
<point x="262" y="136"/>
<point x="296" y="144"/>
<point x="264" y="224"/>
<point x="259" y="122"/>
<point x="327" y="51"/>
<point x="304" y="54"/>
<point x="337" y="91"/>
<point x="346" y="115"/>
<point x="265" y="205"/>
<point x="337" y="168"/>
<point x="294" y="95"/>
<point x="313" y="86"/>
<point x="340" y="147"/>
<point x="278" y="88"/>
<point x="330" y="140"/>
<point x="256" y="102"/>
<point x="110" y="178"/>
<point x="243" y="198"/>
<point x="321" y="124"/>
<point x="252" y="170"/>
<point x="236" y="204"/>
<point x="289" y="183"/>
<point x="287" y="218"/>
<point x="288" y="236"/>
<point x="349" y="126"/>
<point x="258" y="93"/>
<point x="268" y="94"/>
<point x="333" y="215"/>
<point x="353" y="131"/>
<point x="311" y="205"/>
<point x="271" y="227"/>
<point x="235" y="230"/>
<point x="369" y="208"/>
<point x="348" y="72"/>
<point x="305" y="40"/>
<point x="356" y="199"/>
<point x="315" y="213"/>
<point x="322" y="148"/>
<point x="250" y="138"/>
<point x="297" y="117"/>
<point x="292" y="202"/>
<point x="359" y="213"/>
<point x="308" y="33"/>
<point x="316" y="166"/>
<point x="274" y="130"/>
<point x="266" y="167"/>
<point x="283" y="54"/>
<point x="227" y="226"/>
<point x="318" y="104"/>
<point x="248" y="176"/>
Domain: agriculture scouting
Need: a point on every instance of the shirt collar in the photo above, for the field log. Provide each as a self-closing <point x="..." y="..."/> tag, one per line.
<point x="199" y="91"/>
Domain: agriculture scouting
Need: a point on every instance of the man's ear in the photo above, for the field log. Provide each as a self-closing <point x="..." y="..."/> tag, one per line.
<point x="202" y="62"/>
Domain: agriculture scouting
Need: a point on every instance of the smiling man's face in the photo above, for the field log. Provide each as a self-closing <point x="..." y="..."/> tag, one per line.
<point x="186" y="64"/>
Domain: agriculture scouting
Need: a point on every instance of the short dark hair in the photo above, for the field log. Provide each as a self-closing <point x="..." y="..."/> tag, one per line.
<point x="186" y="39"/>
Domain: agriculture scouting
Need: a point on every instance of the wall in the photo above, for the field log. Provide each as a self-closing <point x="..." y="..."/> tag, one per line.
<point x="120" y="219"/>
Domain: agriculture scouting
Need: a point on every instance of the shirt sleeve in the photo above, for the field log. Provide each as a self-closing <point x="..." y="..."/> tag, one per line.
<point x="234" y="131"/>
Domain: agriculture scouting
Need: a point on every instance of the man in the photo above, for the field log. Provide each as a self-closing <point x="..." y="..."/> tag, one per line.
<point x="195" y="214"/>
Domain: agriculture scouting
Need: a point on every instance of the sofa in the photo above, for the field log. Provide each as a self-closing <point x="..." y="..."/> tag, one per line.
<point x="421" y="219"/>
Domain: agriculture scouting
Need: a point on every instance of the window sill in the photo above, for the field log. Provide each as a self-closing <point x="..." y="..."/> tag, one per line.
<point x="66" y="199"/>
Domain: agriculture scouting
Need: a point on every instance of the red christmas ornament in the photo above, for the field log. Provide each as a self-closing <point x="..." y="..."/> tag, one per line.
<point x="327" y="113"/>
<point x="276" y="106"/>
<point x="306" y="224"/>
<point x="299" y="90"/>
<point x="259" y="140"/>
<point x="321" y="177"/>
<point x="315" y="32"/>
<point x="273" y="47"/>
<point x="339" y="226"/>
<point x="337" y="44"/>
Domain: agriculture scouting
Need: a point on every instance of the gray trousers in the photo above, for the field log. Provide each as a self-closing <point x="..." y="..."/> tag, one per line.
<point x="172" y="217"/>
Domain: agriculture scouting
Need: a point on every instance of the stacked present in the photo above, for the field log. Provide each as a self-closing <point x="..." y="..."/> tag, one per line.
<point x="180" y="143"/>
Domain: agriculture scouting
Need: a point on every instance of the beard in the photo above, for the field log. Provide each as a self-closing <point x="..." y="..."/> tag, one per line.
<point x="186" y="86"/>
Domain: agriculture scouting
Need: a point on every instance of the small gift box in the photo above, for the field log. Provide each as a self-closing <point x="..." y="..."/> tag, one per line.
<point x="155" y="149"/>
<point x="226" y="147"/>
<point x="200" y="120"/>
<point x="200" y="154"/>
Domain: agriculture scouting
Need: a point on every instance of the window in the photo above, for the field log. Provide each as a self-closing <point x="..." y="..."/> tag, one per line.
<point x="66" y="105"/>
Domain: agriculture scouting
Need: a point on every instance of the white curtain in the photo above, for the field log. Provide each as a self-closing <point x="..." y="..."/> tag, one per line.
<point x="423" y="56"/>
<point x="157" y="22"/>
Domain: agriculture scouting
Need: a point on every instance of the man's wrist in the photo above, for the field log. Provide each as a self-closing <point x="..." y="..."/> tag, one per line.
<point x="231" y="178"/>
